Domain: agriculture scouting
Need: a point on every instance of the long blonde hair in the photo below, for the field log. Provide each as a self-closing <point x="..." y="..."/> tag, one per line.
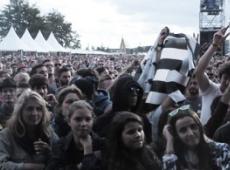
<point x="16" y="124"/>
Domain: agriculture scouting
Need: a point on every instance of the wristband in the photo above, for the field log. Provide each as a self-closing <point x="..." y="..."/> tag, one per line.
<point x="215" y="45"/>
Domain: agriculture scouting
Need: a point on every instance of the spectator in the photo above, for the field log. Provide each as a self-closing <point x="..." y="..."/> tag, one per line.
<point x="65" y="98"/>
<point x="126" y="147"/>
<point x="26" y="141"/>
<point x="72" y="152"/>
<point x="64" y="77"/>
<point x="127" y="96"/>
<point x="8" y="95"/>
<point x="193" y="98"/>
<point x="210" y="90"/>
<point x="188" y="148"/>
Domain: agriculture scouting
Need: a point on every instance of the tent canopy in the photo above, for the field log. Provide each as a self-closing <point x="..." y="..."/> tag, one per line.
<point x="11" y="42"/>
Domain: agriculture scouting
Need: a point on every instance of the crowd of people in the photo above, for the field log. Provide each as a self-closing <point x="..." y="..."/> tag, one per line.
<point x="89" y="112"/>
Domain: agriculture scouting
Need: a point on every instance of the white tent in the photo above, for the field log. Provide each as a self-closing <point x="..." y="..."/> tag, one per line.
<point x="11" y="42"/>
<point x="27" y="39"/>
<point x="52" y="41"/>
<point x="40" y="40"/>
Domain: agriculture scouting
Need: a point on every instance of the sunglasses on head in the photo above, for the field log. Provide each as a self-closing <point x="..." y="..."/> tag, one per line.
<point x="182" y="108"/>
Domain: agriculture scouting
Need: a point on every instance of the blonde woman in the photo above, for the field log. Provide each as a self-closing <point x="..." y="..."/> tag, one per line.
<point x="26" y="141"/>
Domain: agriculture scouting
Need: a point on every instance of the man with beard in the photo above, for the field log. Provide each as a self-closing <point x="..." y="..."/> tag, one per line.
<point x="8" y="95"/>
<point x="192" y="95"/>
<point x="64" y="77"/>
<point x="51" y="77"/>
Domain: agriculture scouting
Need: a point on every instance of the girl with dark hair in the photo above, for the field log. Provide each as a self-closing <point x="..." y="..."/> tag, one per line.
<point x="126" y="148"/>
<point x="187" y="147"/>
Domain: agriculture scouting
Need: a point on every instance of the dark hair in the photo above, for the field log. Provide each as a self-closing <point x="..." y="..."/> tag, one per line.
<point x="100" y="69"/>
<point x="224" y="69"/>
<point x="34" y="69"/>
<point x="38" y="80"/>
<point x="46" y="60"/>
<point x="118" y="157"/>
<point x="91" y="74"/>
<point x="203" y="148"/>
<point x="118" y="124"/>
<point x="8" y="83"/>
<point x="65" y="91"/>
<point x="121" y="92"/>
<point x="86" y="86"/>
<point x="63" y="69"/>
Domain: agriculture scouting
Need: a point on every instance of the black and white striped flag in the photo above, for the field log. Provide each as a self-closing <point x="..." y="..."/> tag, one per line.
<point x="170" y="74"/>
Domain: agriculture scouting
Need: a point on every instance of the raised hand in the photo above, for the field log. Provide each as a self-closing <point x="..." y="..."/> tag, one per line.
<point x="167" y="132"/>
<point x="163" y="34"/>
<point x="41" y="147"/>
<point x="220" y="36"/>
<point x="87" y="144"/>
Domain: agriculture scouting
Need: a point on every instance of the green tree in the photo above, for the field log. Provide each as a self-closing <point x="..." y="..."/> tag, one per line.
<point x="62" y="30"/>
<point x="21" y="15"/>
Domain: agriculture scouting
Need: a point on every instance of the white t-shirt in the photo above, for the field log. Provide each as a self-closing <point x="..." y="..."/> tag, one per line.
<point x="207" y="98"/>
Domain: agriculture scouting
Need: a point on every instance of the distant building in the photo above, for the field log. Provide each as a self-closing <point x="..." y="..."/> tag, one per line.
<point x="122" y="46"/>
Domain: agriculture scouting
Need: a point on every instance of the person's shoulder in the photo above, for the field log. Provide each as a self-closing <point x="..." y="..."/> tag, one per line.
<point x="5" y="134"/>
<point x="218" y="147"/>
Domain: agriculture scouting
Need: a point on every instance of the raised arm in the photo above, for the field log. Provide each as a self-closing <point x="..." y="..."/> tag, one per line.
<point x="217" y="41"/>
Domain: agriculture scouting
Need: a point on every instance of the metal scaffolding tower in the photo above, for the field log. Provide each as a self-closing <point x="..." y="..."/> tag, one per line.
<point x="212" y="18"/>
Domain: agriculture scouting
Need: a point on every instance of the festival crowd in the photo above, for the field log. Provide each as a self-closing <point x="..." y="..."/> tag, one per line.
<point x="89" y="112"/>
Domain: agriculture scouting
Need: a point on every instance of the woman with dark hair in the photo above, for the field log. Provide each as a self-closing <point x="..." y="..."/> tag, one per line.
<point x="65" y="98"/>
<point x="126" y="148"/>
<point x="187" y="147"/>
<point x="26" y="141"/>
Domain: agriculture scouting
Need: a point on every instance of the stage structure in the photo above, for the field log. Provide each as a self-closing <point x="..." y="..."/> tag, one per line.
<point x="212" y="18"/>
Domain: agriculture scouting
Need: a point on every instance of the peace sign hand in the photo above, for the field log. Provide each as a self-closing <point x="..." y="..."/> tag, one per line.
<point x="220" y="36"/>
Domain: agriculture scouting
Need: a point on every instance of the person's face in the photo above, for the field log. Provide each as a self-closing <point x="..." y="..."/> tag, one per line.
<point x="42" y="90"/>
<point x="43" y="71"/>
<point x="188" y="131"/>
<point x="58" y="64"/>
<point x="81" y="122"/>
<point x="193" y="87"/>
<point x="32" y="113"/>
<point x="133" y="135"/>
<point x="68" y="100"/>
<point x="65" y="78"/>
<point x="50" y="67"/>
<point x="104" y="73"/>
<point x="8" y="95"/>
<point x="224" y="82"/>
<point x="133" y="95"/>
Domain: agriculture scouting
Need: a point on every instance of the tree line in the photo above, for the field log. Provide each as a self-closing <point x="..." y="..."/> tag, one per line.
<point x="21" y="15"/>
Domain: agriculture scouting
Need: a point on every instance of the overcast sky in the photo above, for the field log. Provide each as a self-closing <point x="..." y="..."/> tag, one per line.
<point x="104" y="22"/>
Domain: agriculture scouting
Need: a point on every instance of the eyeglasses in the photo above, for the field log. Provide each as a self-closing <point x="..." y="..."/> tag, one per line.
<point x="182" y="108"/>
